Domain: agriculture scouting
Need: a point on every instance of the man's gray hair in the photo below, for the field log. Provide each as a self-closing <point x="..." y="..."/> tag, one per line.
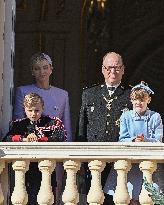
<point x="113" y="53"/>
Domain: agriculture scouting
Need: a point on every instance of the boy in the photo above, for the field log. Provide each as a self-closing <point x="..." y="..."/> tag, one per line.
<point x="137" y="125"/>
<point x="36" y="127"/>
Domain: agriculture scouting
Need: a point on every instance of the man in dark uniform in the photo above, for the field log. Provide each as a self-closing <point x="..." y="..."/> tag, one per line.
<point x="102" y="106"/>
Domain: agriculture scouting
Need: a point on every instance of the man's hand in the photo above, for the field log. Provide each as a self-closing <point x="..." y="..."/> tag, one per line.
<point x="31" y="138"/>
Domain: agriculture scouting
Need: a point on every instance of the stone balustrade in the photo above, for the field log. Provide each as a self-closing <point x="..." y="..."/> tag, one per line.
<point x="147" y="155"/>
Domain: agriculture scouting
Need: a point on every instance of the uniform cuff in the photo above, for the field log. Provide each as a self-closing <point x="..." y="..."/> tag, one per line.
<point x="16" y="138"/>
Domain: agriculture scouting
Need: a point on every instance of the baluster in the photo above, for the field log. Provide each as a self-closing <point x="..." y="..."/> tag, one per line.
<point x="147" y="167"/>
<point x="121" y="195"/>
<point x="19" y="195"/>
<point x="70" y="195"/>
<point x="45" y="195"/>
<point x="2" y="166"/>
<point x="96" y="195"/>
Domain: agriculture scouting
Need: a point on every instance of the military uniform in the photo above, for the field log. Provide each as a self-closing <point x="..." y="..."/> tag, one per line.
<point x="46" y="129"/>
<point x="100" y="113"/>
<point x="99" y="121"/>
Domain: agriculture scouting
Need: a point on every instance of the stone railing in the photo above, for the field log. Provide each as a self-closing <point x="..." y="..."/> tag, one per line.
<point x="147" y="155"/>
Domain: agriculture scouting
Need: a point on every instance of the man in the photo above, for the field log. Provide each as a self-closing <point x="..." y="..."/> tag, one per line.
<point x="102" y="106"/>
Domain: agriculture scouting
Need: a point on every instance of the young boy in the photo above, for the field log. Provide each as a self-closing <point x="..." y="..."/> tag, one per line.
<point x="36" y="127"/>
<point x="137" y="125"/>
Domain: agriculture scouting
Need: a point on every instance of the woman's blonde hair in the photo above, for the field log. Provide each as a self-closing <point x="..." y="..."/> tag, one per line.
<point x="39" y="57"/>
<point x="32" y="99"/>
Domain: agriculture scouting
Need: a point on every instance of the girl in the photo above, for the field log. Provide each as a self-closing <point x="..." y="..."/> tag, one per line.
<point x="137" y="125"/>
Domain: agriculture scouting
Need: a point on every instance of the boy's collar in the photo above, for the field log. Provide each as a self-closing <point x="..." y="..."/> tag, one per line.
<point x="35" y="122"/>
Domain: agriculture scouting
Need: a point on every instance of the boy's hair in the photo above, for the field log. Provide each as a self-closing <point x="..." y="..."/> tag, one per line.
<point x="32" y="99"/>
<point x="139" y="94"/>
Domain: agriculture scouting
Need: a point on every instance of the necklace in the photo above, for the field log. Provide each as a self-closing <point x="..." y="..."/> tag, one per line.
<point x="109" y="101"/>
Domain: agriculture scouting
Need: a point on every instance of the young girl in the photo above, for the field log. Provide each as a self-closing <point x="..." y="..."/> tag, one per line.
<point x="137" y="125"/>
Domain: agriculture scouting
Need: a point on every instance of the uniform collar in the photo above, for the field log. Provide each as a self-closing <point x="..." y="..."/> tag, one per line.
<point x="36" y="122"/>
<point x="115" y="86"/>
<point x="117" y="92"/>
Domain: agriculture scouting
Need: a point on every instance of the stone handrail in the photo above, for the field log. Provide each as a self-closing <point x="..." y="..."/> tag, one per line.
<point x="72" y="154"/>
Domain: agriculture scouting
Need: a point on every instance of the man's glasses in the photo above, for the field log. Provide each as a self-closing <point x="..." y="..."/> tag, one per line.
<point x="115" y="68"/>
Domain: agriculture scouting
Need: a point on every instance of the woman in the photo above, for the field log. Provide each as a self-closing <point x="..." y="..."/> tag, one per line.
<point x="55" y="99"/>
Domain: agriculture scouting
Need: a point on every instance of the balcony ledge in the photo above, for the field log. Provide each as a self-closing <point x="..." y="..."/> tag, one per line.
<point x="82" y="150"/>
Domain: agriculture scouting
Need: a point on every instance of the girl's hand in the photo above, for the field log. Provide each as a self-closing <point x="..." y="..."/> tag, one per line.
<point x="139" y="138"/>
<point x="32" y="138"/>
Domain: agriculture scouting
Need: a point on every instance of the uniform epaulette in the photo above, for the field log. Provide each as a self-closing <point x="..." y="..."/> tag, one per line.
<point x="55" y="118"/>
<point x="125" y="110"/>
<point x="126" y="87"/>
<point x="131" y="86"/>
<point x="18" y="120"/>
<point x="87" y="87"/>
